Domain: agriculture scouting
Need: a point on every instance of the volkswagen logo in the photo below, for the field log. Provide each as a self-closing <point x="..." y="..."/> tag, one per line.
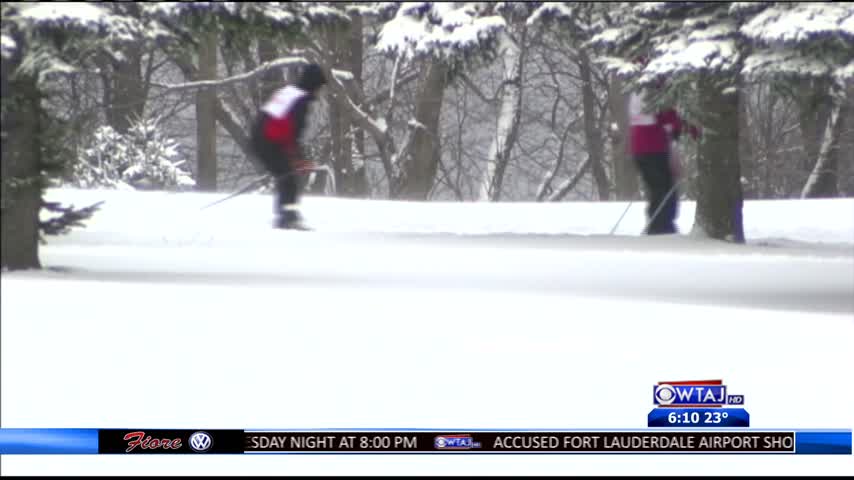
<point x="201" y="442"/>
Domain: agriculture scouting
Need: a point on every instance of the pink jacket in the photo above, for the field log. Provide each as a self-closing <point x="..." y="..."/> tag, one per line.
<point x="652" y="133"/>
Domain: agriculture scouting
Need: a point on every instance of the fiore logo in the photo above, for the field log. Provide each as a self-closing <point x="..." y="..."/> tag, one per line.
<point x="145" y="442"/>
<point x="201" y="441"/>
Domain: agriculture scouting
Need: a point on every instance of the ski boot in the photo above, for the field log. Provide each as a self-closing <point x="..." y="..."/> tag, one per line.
<point x="290" y="219"/>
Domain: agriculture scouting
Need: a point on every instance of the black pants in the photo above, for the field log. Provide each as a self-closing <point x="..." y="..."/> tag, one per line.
<point x="658" y="180"/>
<point x="288" y="185"/>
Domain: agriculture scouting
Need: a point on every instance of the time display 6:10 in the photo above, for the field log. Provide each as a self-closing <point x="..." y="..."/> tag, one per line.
<point x="705" y="418"/>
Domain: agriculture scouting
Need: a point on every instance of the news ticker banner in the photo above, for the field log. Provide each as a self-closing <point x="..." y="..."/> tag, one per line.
<point x="128" y="441"/>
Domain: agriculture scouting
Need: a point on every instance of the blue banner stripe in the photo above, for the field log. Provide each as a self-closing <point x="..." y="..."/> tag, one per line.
<point x="46" y="441"/>
<point x="823" y="443"/>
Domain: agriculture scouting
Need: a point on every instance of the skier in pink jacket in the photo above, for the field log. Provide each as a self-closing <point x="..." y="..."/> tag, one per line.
<point x="652" y="134"/>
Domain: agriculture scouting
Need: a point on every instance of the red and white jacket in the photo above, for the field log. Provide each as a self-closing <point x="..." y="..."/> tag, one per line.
<point x="652" y="133"/>
<point x="285" y="120"/>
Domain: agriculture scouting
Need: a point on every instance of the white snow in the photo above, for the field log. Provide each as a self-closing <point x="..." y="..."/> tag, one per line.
<point x="683" y="55"/>
<point x="362" y="9"/>
<point x="423" y="315"/>
<point x="277" y="14"/>
<point x="74" y="13"/>
<point x="550" y="9"/>
<point x="399" y="34"/>
<point x="613" y="35"/>
<point x="847" y="25"/>
<point x="454" y="15"/>
<point x="617" y="65"/>
<point x="7" y="46"/>
<point x="381" y="124"/>
<point x="800" y="22"/>
<point x="785" y="62"/>
<point x="413" y="123"/>
<point x="343" y="75"/>
<point x="845" y="73"/>
<point x="461" y="36"/>
<point x="719" y="30"/>
<point x="326" y="12"/>
<point x="459" y="27"/>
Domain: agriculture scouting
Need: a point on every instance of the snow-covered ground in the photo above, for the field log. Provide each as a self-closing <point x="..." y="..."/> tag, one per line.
<point x="423" y="315"/>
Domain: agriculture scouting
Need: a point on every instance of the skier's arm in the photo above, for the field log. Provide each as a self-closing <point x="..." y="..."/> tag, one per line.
<point x="671" y="122"/>
<point x="299" y="115"/>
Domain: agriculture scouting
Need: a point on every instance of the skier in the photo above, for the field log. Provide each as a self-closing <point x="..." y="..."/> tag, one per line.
<point x="651" y="144"/>
<point x="276" y="140"/>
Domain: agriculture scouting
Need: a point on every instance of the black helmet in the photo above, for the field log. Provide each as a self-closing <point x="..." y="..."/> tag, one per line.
<point x="312" y="78"/>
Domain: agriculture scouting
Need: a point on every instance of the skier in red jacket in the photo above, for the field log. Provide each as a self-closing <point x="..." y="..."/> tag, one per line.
<point x="276" y="139"/>
<point x="652" y="135"/>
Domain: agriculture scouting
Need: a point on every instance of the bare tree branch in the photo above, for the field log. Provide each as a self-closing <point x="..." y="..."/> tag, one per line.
<point x="567" y="187"/>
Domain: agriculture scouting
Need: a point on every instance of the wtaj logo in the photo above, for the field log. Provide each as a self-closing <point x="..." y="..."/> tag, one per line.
<point x="455" y="442"/>
<point x="694" y="393"/>
<point x="201" y="442"/>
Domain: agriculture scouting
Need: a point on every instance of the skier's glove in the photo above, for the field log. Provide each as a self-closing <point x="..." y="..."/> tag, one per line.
<point x="302" y="166"/>
<point x="675" y="162"/>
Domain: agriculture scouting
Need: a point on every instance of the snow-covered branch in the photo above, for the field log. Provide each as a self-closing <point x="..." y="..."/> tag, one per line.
<point x="278" y="63"/>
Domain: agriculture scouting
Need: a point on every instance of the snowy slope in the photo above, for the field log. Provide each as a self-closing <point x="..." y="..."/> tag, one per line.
<point x="161" y="315"/>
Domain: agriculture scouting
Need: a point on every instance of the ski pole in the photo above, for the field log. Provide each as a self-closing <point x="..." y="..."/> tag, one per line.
<point x="257" y="182"/>
<point x="260" y="180"/>
<point x="663" y="203"/>
<point x="621" y="217"/>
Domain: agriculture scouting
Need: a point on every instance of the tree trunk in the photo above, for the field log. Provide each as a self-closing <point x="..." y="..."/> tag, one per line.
<point x="419" y="167"/>
<point x="346" y="48"/>
<point x="20" y="198"/>
<point x="771" y="158"/>
<point x="128" y="92"/>
<point x="625" y="172"/>
<point x="206" y="114"/>
<point x="813" y="114"/>
<point x="822" y="182"/>
<point x="271" y="80"/>
<point x="745" y="151"/>
<point x="719" y="195"/>
<point x="509" y="117"/>
<point x="846" y="150"/>
<point x="592" y="135"/>
<point x="338" y="40"/>
<point x="358" y="181"/>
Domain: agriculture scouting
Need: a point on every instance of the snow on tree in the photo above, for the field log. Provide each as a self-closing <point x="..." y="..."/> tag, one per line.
<point x="52" y="32"/>
<point x="40" y="41"/>
<point x="143" y="158"/>
<point x="694" y="56"/>
<point x="802" y="40"/>
<point x="442" y="38"/>
<point x="7" y="46"/>
<point x="814" y="42"/>
<point x="242" y="20"/>
<point x="443" y="30"/>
